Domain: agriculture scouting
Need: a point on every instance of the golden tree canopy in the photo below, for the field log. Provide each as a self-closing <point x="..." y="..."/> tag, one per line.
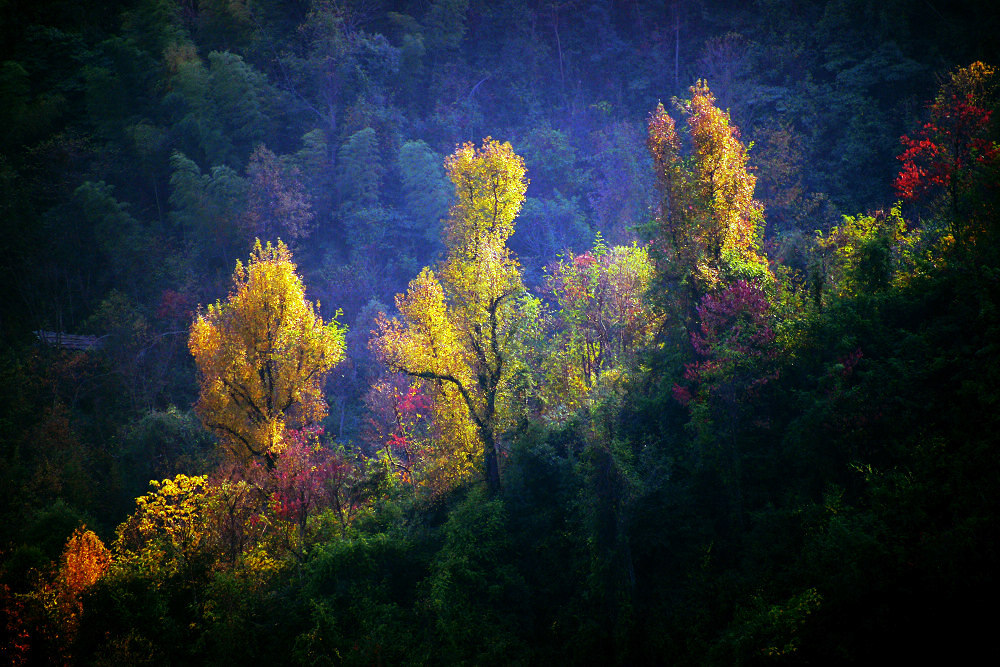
<point x="262" y="356"/>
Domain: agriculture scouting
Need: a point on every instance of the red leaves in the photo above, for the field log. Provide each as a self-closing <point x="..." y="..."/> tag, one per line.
<point x="305" y="475"/>
<point x="850" y="361"/>
<point x="952" y="143"/>
<point x="734" y="319"/>
<point x="174" y="306"/>
<point x="735" y="342"/>
<point x="412" y="405"/>
<point x="681" y="394"/>
<point x="398" y="421"/>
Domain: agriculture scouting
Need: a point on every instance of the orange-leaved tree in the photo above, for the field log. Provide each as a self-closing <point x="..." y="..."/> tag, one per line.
<point x="83" y="561"/>
<point x="262" y="356"/>
<point x="461" y="327"/>
<point x="708" y="226"/>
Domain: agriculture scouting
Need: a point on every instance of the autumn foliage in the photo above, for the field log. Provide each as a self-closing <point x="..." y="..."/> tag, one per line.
<point x="709" y="225"/>
<point x="262" y="357"/>
<point x="460" y="326"/>
<point x="603" y="320"/>
<point x="662" y="446"/>
<point x="83" y="562"/>
<point x="955" y="153"/>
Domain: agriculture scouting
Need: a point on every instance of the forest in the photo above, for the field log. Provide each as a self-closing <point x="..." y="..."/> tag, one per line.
<point x="495" y="332"/>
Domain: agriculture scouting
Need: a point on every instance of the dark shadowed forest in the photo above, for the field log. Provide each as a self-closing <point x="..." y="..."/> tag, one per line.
<point x="487" y="332"/>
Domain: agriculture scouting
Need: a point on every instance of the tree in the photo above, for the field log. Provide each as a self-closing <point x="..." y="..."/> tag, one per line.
<point x="359" y="171"/>
<point x="708" y="227"/>
<point x="167" y="531"/>
<point x="425" y="188"/>
<point x="262" y="357"/>
<point x="208" y="207"/>
<point x="955" y="150"/>
<point x="736" y="356"/>
<point x="603" y="318"/>
<point x="223" y="106"/>
<point x="460" y="328"/>
<point x="310" y="477"/>
<point x="863" y="255"/>
<point x="277" y="202"/>
<point x="84" y="560"/>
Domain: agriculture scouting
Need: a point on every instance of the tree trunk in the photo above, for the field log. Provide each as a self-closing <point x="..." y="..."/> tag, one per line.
<point x="492" y="461"/>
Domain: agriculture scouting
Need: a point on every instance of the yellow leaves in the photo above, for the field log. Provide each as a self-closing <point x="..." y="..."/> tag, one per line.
<point x="168" y="525"/>
<point x="459" y="330"/>
<point x="867" y="252"/>
<point x="490" y="185"/>
<point x="710" y="222"/>
<point x="460" y="449"/>
<point x="724" y="182"/>
<point x="425" y="341"/>
<point x="262" y="356"/>
<point x="663" y="142"/>
<point x="193" y="522"/>
<point x="426" y="344"/>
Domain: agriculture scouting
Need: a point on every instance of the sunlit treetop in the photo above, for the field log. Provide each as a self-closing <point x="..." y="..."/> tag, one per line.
<point x="724" y="182"/>
<point x="709" y="224"/>
<point x="490" y="185"/>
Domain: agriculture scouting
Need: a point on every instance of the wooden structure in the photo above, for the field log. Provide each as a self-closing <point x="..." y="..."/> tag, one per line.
<point x="70" y="341"/>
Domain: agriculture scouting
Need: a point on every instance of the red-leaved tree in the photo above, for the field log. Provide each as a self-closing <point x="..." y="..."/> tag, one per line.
<point x="309" y="477"/>
<point x="737" y="355"/>
<point x="955" y="153"/>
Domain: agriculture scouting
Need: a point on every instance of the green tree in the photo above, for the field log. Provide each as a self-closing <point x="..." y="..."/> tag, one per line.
<point x="208" y="209"/>
<point x="425" y="188"/>
<point x="121" y="239"/>
<point x="358" y="169"/>
<point x="222" y="106"/>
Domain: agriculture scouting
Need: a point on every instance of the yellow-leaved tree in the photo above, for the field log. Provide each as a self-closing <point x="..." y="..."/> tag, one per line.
<point x="460" y="328"/>
<point x="262" y="356"/>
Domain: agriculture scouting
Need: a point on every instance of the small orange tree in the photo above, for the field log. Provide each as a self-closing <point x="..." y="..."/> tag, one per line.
<point x="83" y="561"/>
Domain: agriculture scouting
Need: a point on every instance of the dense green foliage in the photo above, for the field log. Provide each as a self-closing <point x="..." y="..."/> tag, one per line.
<point x="731" y="402"/>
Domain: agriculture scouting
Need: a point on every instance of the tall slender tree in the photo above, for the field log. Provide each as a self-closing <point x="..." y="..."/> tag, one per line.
<point x="708" y="227"/>
<point x="460" y="327"/>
